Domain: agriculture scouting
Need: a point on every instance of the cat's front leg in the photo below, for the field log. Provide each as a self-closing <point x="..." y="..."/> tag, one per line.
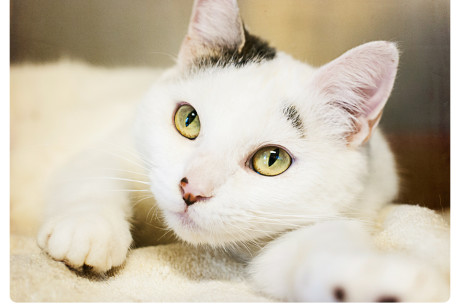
<point x="87" y="220"/>
<point x="337" y="261"/>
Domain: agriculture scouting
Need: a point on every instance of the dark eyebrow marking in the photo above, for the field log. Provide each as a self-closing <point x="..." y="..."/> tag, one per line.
<point x="293" y="116"/>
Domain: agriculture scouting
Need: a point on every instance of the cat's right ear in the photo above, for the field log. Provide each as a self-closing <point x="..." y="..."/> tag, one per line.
<point x="215" y="25"/>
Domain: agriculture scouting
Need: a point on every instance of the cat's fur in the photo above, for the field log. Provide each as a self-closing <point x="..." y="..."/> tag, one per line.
<point x="310" y="221"/>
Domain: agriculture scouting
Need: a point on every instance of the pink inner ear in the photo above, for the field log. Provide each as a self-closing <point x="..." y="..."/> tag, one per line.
<point x="362" y="80"/>
<point x="377" y="96"/>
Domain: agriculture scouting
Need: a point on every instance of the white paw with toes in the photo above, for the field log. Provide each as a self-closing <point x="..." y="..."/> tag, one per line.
<point x="336" y="261"/>
<point x="86" y="239"/>
<point x="367" y="277"/>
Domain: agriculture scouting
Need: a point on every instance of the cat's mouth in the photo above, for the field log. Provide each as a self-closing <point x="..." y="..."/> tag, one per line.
<point x="187" y="225"/>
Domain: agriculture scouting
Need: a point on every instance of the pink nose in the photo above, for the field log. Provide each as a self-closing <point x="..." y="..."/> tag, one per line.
<point x="189" y="194"/>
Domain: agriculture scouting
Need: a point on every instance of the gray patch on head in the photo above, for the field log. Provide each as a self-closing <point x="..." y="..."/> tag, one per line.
<point x="293" y="116"/>
<point x="254" y="50"/>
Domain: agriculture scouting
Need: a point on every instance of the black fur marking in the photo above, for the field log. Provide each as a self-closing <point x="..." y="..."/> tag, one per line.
<point x="293" y="116"/>
<point x="255" y="50"/>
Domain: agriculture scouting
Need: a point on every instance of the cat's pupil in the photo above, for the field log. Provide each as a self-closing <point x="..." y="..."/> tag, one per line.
<point x="190" y="118"/>
<point x="274" y="155"/>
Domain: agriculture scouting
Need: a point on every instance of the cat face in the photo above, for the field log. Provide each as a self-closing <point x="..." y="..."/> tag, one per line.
<point x="244" y="142"/>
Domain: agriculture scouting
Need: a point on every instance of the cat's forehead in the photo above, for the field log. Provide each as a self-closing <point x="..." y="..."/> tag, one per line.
<point x="247" y="103"/>
<point x="258" y="87"/>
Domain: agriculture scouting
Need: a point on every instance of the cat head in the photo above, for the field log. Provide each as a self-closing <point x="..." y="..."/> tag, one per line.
<point x="243" y="141"/>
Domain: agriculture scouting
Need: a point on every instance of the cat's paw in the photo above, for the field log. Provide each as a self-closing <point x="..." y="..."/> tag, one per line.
<point x="86" y="239"/>
<point x="336" y="261"/>
<point x="367" y="277"/>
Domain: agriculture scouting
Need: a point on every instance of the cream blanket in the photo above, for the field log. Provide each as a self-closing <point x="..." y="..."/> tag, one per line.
<point x="49" y="103"/>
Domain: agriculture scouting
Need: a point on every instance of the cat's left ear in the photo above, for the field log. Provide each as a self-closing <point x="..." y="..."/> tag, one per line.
<point x="360" y="82"/>
<point x="215" y="25"/>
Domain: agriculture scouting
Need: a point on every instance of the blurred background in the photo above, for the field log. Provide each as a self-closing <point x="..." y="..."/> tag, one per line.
<point x="148" y="33"/>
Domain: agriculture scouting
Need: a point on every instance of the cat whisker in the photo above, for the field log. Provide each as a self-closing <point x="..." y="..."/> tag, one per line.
<point x="170" y="55"/>
<point x="123" y="158"/>
<point x="142" y="199"/>
<point x="133" y="153"/>
<point x="119" y="178"/>
<point x="246" y="230"/>
<point x="127" y="171"/>
<point x="168" y="231"/>
<point x="155" y="227"/>
<point x="330" y="218"/>
<point x="295" y="221"/>
<point x="129" y="190"/>
<point x="148" y="214"/>
<point x="273" y="222"/>
<point x="296" y="215"/>
<point x="236" y="244"/>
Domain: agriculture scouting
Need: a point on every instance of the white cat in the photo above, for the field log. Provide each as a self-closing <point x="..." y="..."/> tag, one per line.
<point x="243" y="147"/>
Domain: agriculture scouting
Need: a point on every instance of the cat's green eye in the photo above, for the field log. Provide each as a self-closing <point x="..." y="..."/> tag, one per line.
<point x="187" y="121"/>
<point x="271" y="161"/>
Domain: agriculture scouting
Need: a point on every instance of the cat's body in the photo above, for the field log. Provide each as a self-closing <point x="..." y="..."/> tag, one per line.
<point x="270" y="150"/>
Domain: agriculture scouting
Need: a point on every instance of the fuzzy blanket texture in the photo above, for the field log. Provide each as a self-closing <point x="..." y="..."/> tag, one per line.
<point x="59" y="108"/>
